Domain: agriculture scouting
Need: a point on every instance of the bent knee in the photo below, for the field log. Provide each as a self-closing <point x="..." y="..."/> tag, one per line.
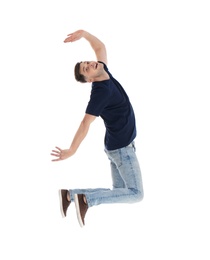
<point x="138" y="195"/>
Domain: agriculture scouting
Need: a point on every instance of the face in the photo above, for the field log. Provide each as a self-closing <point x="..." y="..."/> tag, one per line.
<point x="92" y="70"/>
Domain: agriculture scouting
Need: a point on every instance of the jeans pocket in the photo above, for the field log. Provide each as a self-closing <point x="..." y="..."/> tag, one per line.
<point x="115" y="156"/>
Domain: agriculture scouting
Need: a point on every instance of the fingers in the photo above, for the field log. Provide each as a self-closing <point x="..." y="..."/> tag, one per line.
<point x="73" y="36"/>
<point x="56" y="153"/>
<point x="56" y="160"/>
<point x="69" y="38"/>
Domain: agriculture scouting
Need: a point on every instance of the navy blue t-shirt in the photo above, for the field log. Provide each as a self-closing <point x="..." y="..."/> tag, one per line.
<point x="109" y="100"/>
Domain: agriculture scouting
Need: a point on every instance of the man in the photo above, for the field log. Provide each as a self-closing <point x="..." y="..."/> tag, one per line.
<point x="109" y="101"/>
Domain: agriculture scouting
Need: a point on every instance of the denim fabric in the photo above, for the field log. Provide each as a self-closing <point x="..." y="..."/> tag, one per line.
<point x="126" y="180"/>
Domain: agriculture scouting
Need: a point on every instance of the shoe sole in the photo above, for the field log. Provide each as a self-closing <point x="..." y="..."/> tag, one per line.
<point x="61" y="204"/>
<point x="76" y="201"/>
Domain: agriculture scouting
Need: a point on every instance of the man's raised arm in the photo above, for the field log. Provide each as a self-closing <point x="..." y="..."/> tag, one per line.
<point x="96" y="44"/>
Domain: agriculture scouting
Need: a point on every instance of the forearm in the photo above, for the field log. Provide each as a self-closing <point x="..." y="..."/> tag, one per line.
<point x="79" y="137"/>
<point x="95" y="43"/>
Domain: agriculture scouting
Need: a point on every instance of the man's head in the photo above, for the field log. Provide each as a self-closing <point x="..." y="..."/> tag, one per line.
<point x="79" y="77"/>
<point x="89" y="71"/>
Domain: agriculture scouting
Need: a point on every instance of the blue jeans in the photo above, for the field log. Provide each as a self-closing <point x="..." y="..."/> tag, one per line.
<point x="126" y="180"/>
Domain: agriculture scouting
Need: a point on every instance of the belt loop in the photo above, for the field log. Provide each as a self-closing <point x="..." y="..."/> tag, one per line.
<point x="134" y="147"/>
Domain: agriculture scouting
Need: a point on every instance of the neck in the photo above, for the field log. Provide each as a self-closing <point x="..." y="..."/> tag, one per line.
<point x="104" y="76"/>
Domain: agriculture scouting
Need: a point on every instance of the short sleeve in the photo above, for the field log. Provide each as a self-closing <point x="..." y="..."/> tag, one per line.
<point x="99" y="98"/>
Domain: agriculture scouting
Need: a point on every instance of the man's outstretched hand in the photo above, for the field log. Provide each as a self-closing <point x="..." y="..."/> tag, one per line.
<point x="72" y="37"/>
<point x="60" y="154"/>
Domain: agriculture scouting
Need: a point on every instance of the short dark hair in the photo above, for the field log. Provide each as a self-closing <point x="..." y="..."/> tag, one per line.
<point x="78" y="76"/>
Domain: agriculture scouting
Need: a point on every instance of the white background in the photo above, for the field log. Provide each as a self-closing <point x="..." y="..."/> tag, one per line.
<point x="159" y="51"/>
